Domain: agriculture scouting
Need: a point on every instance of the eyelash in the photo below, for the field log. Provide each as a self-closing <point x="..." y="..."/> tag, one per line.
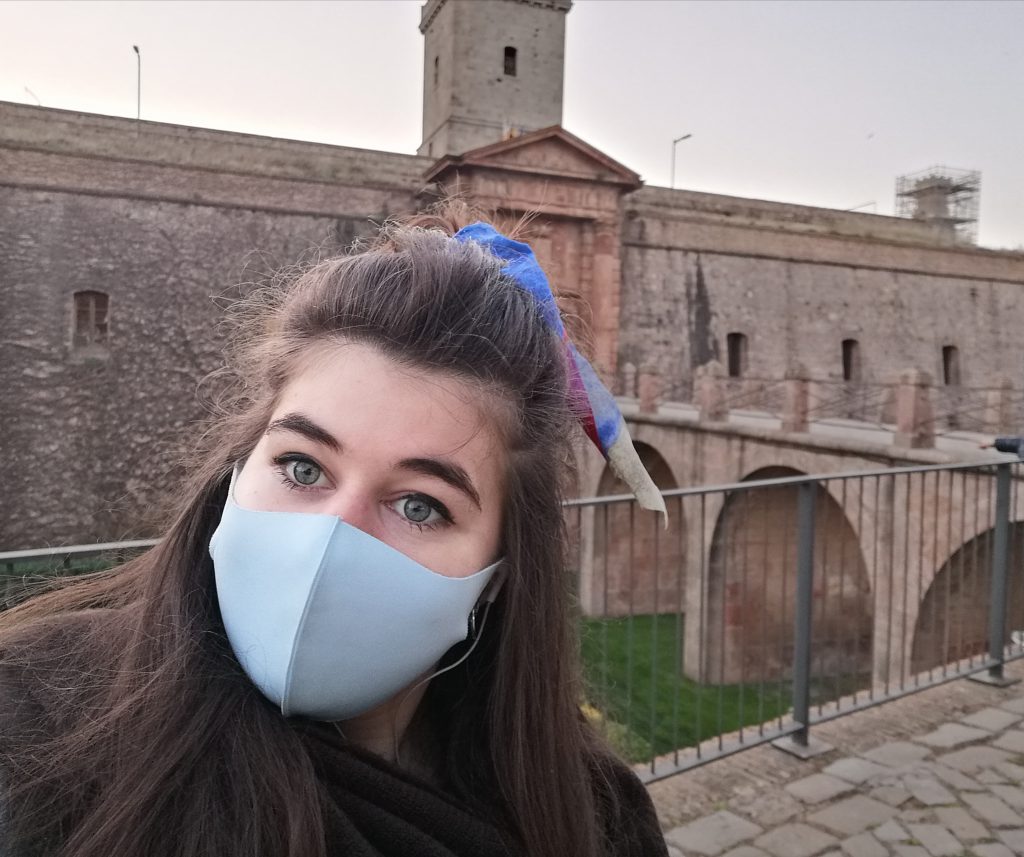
<point x="281" y="463"/>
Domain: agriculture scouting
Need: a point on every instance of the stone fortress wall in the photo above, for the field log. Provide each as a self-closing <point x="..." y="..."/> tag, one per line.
<point x="157" y="220"/>
<point x="167" y="221"/>
<point x="796" y="281"/>
<point x="164" y="218"/>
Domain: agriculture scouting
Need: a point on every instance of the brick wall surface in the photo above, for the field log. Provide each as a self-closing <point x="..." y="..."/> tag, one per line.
<point x="690" y="279"/>
<point x="164" y="219"/>
<point x="91" y="443"/>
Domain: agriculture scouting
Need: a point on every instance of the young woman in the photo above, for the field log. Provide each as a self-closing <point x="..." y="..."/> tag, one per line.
<point x="355" y="637"/>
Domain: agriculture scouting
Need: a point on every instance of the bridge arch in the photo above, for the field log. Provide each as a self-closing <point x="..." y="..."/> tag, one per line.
<point x="952" y="620"/>
<point x="638" y="564"/>
<point x="751" y="587"/>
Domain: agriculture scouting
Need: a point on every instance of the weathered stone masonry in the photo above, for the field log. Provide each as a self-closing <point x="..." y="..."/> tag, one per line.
<point x="164" y="218"/>
<point x="164" y="228"/>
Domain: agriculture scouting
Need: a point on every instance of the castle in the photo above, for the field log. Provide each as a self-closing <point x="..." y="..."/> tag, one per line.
<point x="120" y="239"/>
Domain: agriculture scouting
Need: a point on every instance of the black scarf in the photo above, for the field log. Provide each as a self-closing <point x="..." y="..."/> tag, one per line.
<point x="374" y="809"/>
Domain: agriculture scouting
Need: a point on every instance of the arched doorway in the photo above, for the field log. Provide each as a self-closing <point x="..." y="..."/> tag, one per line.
<point x="638" y="564"/>
<point x="953" y="619"/>
<point x="751" y="590"/>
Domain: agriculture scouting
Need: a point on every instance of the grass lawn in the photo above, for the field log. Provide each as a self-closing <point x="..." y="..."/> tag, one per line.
<point x="22" y="577"/>
<point x="639" y="693"/>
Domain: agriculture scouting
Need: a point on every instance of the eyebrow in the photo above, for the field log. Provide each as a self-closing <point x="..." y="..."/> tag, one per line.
<point x="307" y="428"/>
<point x="446" y="471"/>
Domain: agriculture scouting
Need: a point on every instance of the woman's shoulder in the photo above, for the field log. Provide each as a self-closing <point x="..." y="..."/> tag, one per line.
<point x="630" y="821"/>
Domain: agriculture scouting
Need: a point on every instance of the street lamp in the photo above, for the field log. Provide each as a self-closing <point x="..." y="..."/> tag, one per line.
<point x="138" y="84"/>
<point x="675" y="143"/>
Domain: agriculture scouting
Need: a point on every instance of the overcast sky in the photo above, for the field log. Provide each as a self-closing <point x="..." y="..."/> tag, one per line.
<point x="813" y="102"/>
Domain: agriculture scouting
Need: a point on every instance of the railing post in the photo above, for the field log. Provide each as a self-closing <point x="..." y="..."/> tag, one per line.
<point x="997" y="594"/>
<point x="799" y="742"/>
<point x="804" y="606"/>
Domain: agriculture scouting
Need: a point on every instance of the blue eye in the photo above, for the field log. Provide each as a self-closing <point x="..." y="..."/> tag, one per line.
<point x="421" y="511"/>
<point x="416" y="510"/>
<point x="305" y="472"/>
<point x="297" y="471"/>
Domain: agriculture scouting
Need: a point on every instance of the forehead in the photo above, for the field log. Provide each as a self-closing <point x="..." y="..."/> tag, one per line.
<point x="374" y="405"/>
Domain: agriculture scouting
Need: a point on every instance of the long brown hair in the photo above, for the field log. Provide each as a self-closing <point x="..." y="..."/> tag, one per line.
<point x="157" y="744"/>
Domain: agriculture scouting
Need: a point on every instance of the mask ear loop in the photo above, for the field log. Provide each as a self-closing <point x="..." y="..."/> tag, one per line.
<point x="476" y="630"/>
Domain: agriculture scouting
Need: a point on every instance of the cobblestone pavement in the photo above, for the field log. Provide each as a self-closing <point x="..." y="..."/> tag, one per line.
<point x="943" y="777"/>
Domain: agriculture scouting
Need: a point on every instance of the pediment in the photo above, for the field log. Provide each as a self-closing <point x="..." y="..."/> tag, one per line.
<point x="550" y="151"/>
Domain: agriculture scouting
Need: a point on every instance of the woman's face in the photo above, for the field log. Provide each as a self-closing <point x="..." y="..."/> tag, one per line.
<point x="408" y="457"/>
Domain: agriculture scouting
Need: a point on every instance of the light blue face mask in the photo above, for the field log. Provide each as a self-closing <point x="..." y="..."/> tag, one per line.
<point x="328" y="621"/>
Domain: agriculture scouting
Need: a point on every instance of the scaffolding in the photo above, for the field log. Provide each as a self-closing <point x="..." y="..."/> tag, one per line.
<point x="944" y="196"/>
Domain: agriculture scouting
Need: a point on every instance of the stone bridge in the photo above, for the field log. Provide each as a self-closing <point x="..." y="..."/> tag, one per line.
<point x="902" y="563"/>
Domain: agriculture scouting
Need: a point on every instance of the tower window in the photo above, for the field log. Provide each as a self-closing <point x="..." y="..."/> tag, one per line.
<point x="951" y="365"/>
<point x="851" y="360"/>
<point x="510" y="61"/>
<point x="437" y="64"/>
<point x="736" y="346"/>
<point x="91" y="327"/>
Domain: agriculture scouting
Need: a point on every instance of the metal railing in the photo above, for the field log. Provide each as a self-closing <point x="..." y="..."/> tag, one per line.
<point x="21" y="570"/>
<point x="773" y="604"/>
<point x="767" y="605"/>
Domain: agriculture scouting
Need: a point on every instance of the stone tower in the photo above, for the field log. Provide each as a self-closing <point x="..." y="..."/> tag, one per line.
<point x="492" y="69"/>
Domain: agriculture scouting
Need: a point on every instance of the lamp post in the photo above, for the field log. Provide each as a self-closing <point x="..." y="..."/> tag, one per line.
<point x="138" y="83"/>
<point x="675" y="143"/>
